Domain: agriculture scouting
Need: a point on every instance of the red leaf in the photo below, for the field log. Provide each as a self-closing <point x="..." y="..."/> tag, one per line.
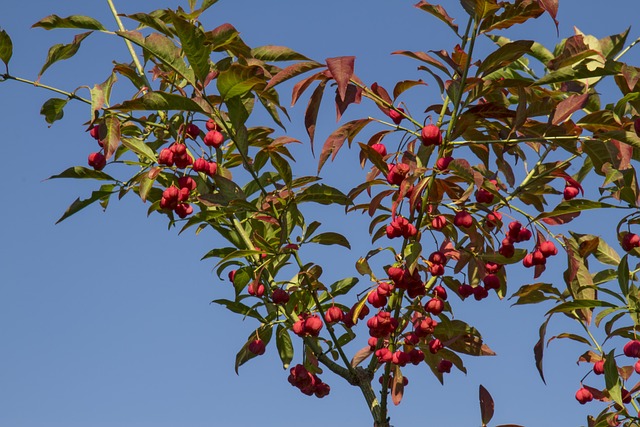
<point x="335" y="141"/>
<point x="302" y="85"/>
<point x="311" y="113"/>
<point x="438" y="12"/>
<point x="292" y="71"/>
<point x="486" y="406"/>
<point x="353" y="96"/>
<point x="551" y="6"/>
<point x="397" y="390"/>
<point x="342" y="70"/>
<point x="567" y="107"/>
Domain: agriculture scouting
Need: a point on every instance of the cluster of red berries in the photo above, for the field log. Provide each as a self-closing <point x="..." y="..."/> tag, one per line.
<point x="348" y="319"/>
<point x="437" y="261"/>
<point x="378" y="297"/>
<point x="539" y="256"/>
<point x="382" y="324"/>
<point x="401" y="227"/>
<point x="435" y="305"/>
<point x="213" y="138"/>
<point x="516" y="234"/>
<point x="307" y="382"/>
<point x="411" y="282"/>
<point x="97" y="160"/>
<point x="485" y="196"/>
<point x="309" y="325"/>
<point x="174" y="198"/>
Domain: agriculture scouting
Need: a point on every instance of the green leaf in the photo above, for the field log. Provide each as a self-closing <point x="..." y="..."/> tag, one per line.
<point x="518" y="255"/>
<point x="284" y="345"/>
<point x="343" y="286"/>
<point x="612" y="378"/>
<point x="322" y="194"/>
<point x="573" y="337"/>
<point x="193" y="41"/>
<point x="606" y="254"/>
<point x="570" y="73"/>
<point x="229" y="189"/>
<point x="573" y="206"/>
<point x="504" y="56"/>
<point x="623" y="275"/>
<point x="239" y="80"/>
<point x="80" y="172"/>
<point x="110" y="135"/>
<point x="52" y="109"/>
<point x="160" y="101"/>
<point x="239" y="308"/>
<point x="6" y="47"/>
<point x="61" y="52"/>
<point x="330" y="238"/>
<point x="140" y="148"/>
<point x="73" y="21"/>
<point x="282" y="166"/>
<point x="101" y="95"/>
<point x="578" y="304"/>
<point x="538" y="349"/>
<point x="103" y="194"/>
<point x="277" y="53"/>
<point x="163" y="49"/>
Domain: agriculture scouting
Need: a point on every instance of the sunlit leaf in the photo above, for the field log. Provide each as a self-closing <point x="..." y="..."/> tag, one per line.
<point x="6" y="47"/>
<point x="60" y="52"/>
<point x="73" y="21"/>
<point x="52" y="109"/>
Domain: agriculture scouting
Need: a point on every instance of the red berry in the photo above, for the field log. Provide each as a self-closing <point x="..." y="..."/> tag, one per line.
<point x="465" y="291"/>
<point x="95" y="132"/>
<point x="396" y="116"/>
<point x="493" y="219"/>
<point x="313" y="325"/>
<point x="491" y="281"/>
<point x="380" y="148"/>
<point x="211" y="125"/>
<point x="431" y="135"/>
<point x="97" y="161"/>
<point x="439" y="222"/>
<point x="480" y="293"/>
<point x="213" y="138"/>
<point x="166" y="157"/>
<point x="192" y="131"/>
<point x="570" y="192"/>
<point x="630" y="241"/>
<point x="442" y="164"/>
<point x="435" y="345"/>
<point x="440" y="292"/>
<point x="444" y="366"/>
<point x="257" y="347"/>
<point x="187" y="182"/>
<point x="376" y="300"/>
<point x="548" y="249"/>
<point x="636" y="367"/>
<point x="256" y="289"/>
<point x="463" y="219"/>
<point x="434" y="306"/>
<point x="400" y="358"/>
<point x="484" y="196"/>
<point x="598" y="367"/>
<point x="333" y="314"/>
<point x="632" y="348"/>
<point x="438" y="257"/>
<point x="279" y="296"/>
<point x="583" y="396"/>
<point x="538" y="258"/>
<point x="507" y="251"/>
<point x="397" y="173"/>
<point x="384" y="355"/>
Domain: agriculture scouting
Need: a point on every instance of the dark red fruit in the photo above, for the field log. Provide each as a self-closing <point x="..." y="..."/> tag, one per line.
<point x="583" y="396"/>
<point x="257" y="347"/>
<point x="442" y="164"/>
<point x="396" y="116"/>
<point x="97" y="161"/>
<point x="632" y="349"/>
<point x="549" y="249"/>
<point x="165" y="157"/>
<point x="630" y="241"/>
<point x="192" y="131"/>
<point x="213" y="138"/>
<point x="444" y="366"/>
<point x="380" y="148"/>
<point x="431" y="135"/>
<point x="211" y="125"/>
<point x="463" y="219"/>
<point x="439" y="222"/>
<point x="279" y="296"/>
<point x="434" y="306"/>
<point x="333" y="314"/>
<point x="598" y="367"/>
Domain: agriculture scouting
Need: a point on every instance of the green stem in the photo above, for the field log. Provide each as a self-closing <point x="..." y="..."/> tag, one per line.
<point x="463" y="79"/>
<point x="69" y="95"/>
<point x="132" y="52"/>
<point x="626" y="49"/>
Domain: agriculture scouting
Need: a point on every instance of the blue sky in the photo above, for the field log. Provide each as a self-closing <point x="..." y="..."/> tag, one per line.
<point x="105" y="318"/>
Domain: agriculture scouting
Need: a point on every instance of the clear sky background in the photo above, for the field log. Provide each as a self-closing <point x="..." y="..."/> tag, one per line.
<point x="105" y="318"/>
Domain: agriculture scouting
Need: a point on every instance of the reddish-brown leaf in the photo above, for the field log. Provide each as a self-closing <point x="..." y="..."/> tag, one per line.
<point x="342" y="70"/>
<point x="551" y="6"/>
<point x="561" y="219"/>
<point x="292" y="71"/>
<point x="361" y="355"/>
<point x="631" y="76"/>
<point x="438" y="12"/>
<point x="311" y="113"/>
<point x="402" y="86"/>
<point x="567" y="107"/>
<point x="335" y="141"/>
<point x="486" y="406"/>
<point x="302" y="85"/>
<point x="384" y="95"/>
<point x="397" y="388"/>
<point x="353" y="96"/>
<point x="424" y="57"/>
